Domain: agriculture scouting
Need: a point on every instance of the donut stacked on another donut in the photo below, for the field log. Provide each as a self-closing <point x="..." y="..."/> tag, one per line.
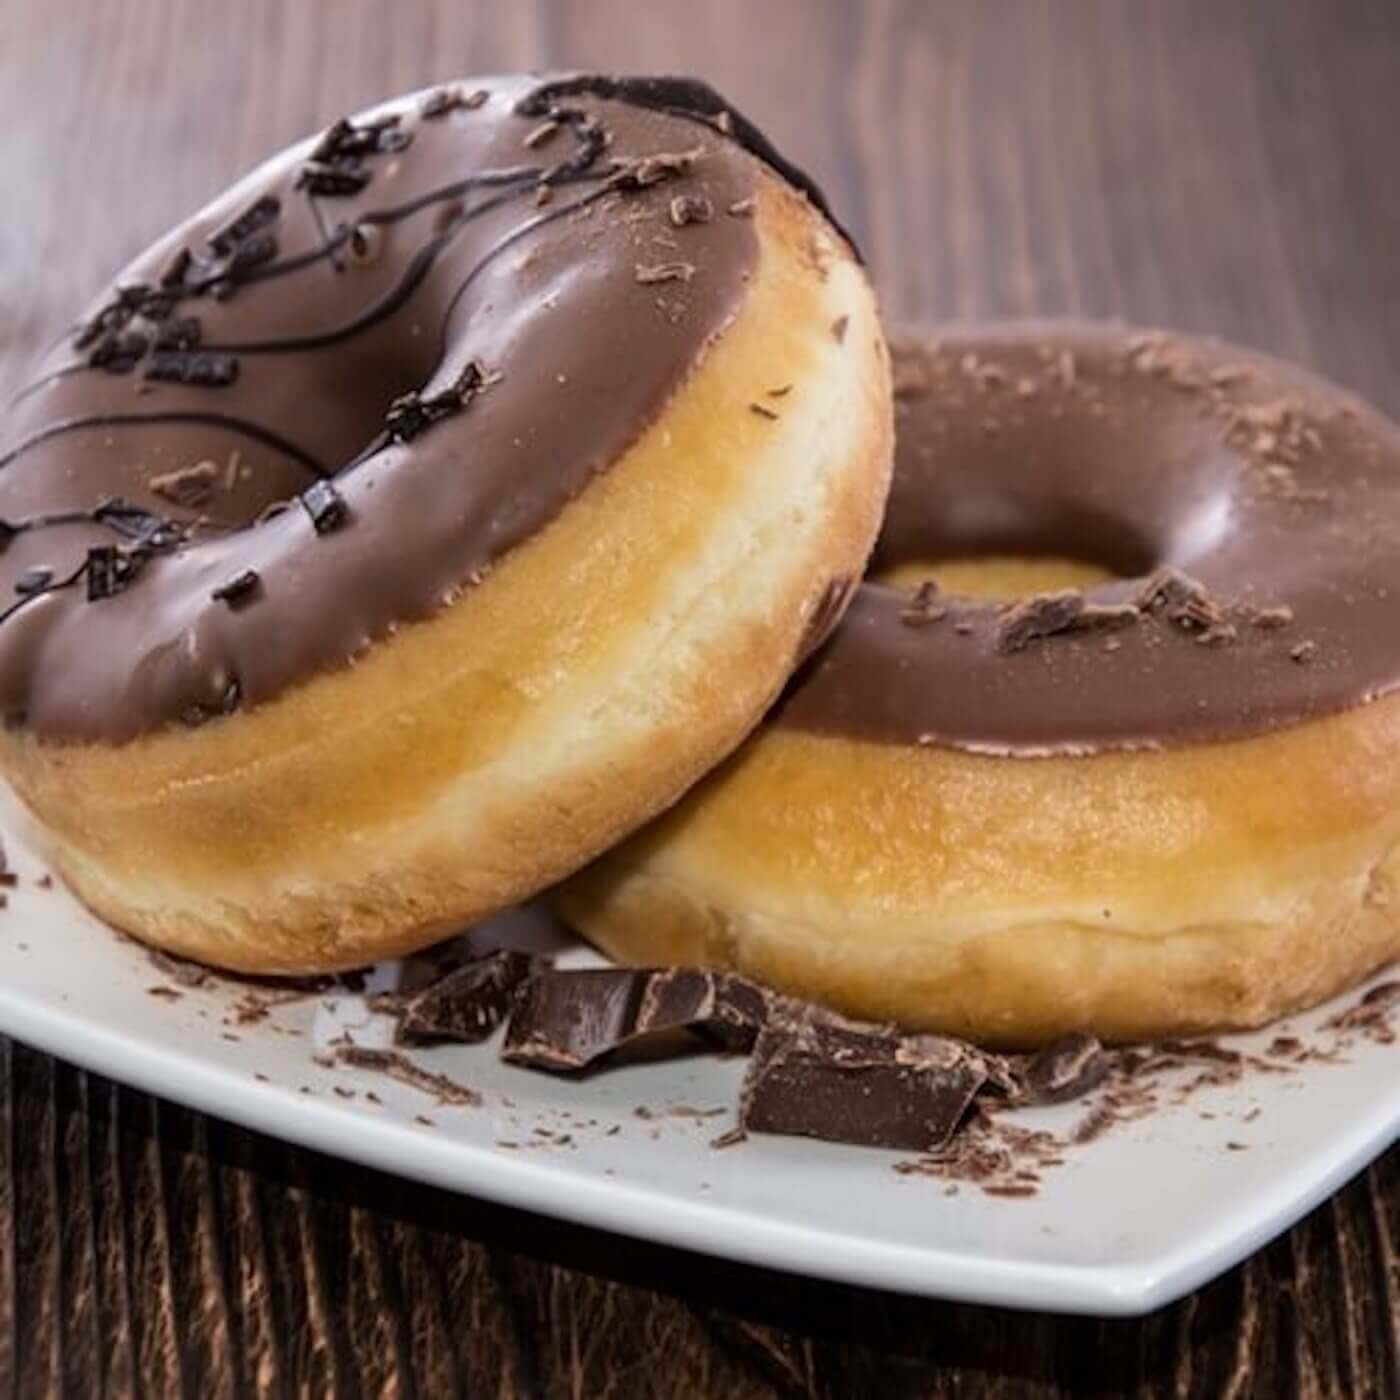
<point x="1163" y="802"/>
<point x="429" y="511"/>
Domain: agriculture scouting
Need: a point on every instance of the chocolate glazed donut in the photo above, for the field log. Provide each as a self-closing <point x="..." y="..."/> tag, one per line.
<point x="1163" y="800"/>
<point x="372" y="548"/>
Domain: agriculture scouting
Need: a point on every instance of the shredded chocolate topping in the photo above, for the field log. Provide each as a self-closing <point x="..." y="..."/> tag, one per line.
<point x="356" y="394"/>
<point x="1251" y="509"/>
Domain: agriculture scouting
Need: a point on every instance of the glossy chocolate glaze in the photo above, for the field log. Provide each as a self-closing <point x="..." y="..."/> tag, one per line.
<point x="410" y="341"/>
<point x="1273" y="494"/>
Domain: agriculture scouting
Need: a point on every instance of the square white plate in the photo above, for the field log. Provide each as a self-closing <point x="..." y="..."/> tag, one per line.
<point x="1131" y="1221"/>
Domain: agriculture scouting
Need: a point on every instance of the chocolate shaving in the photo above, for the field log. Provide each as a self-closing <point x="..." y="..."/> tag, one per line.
<point x="764" y="411"/>
<point x="744" y="208"/>
<point x="400" y="1067"/>
<point x="924" y="607"/>
<point x="665" y="272"/>
<point x="638" y="174"/>
<point x="189" y="487"/>
<point x="691" y="209"/>
<point x="225" y="240"/>
<point x="1044" y="615"/>
<point x="545" y="131"/>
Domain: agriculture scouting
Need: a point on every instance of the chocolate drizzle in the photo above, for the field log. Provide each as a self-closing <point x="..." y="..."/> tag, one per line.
<point x="447" y="274"/>
<point x="1252" y="510"/>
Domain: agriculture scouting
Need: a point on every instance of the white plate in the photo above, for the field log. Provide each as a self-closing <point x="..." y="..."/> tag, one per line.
<point x="1128" y="1223"/>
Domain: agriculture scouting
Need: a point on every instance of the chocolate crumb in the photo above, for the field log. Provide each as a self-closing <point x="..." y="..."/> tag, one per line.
<point x="763" y="411"/>
<point x="164" y="993"/>
<point x="838" y="328"/>
<point x="1270" y="618"/>
<point x="1304" y="652"/>
<point x="732" y="1138"/>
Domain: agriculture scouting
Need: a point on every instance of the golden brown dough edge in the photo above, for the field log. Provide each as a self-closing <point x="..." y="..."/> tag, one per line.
<point x="599" y="670"/>
<point x="1132" y="895"/>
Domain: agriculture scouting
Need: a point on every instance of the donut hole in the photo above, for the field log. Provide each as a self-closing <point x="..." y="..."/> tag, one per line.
<point x="997" y="577"/>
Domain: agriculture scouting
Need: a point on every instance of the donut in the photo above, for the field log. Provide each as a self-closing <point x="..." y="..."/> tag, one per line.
<point x="427" y="512"/>
<point x="1109" y="740"/>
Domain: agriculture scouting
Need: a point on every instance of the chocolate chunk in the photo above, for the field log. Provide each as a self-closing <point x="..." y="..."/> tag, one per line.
<point x="173" y="274"/>
<point x="325" y="505"/>
<point x="110" y="569"/>
<point x="332" y="181"/>
<point x="468" y="1004"/>
<point x="567" y="1021"/>
<point x="262" y="212"/>
<point x="1066" y="1069"/>
<point x="239" y="590"/>
<point x="444" y="100"/>
<point x="179" y="333"/>
<point x="412" y="413"/>
<point x="825" y="1077"/>
<point x="34" y="580"/>
<point x="184" y="367"/>
<point x="1183" y="599"/>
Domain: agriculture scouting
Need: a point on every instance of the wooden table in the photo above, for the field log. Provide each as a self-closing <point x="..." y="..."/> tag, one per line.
<point x="1217" y="166"/>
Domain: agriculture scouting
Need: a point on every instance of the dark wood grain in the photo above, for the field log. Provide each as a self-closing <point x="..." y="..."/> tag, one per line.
<point x="1218" y="166"/>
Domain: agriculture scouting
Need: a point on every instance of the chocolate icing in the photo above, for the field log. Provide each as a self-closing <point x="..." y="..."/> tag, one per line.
<point x="1252" y="509"/>
<point x="436" y="304"/>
